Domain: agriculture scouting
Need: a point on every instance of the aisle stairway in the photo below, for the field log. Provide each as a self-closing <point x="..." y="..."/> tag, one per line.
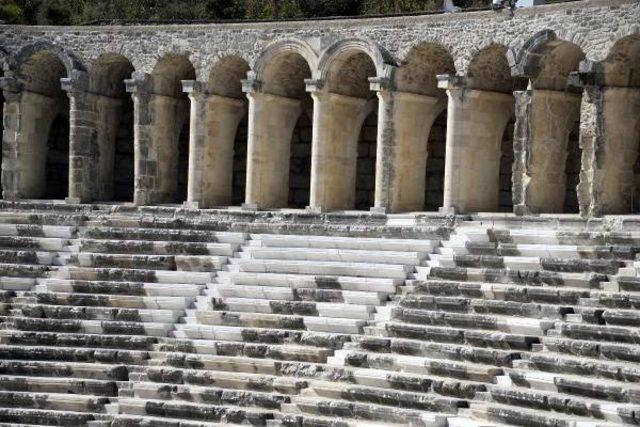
<point x="118" y="319"/>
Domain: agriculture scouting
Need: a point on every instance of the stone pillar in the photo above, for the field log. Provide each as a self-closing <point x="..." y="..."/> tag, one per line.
<point x="145" y="161"/>
<point x="83" y="147"/>
<point x="476" y="121"/>
<point x="404" y="123"/>
<point x="272" y="120"/>
<point x="544" y="120"/>
<point x="12" y="92"/>
<point x="609" y="138"/>
<point x="28" y="118"/>
<point x="197" y="140"/>
<point x="337" y="122"/>
<point x="213" y="127"/>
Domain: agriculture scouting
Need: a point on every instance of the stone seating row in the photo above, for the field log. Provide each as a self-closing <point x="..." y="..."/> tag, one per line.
<point x="315" y="330"/>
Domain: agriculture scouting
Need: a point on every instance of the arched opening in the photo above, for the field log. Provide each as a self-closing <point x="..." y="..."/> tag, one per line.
<point x="366" y="163"/>
<point x="489" y="76"/>
<point x="348" y="83"/>
<point x="572" y="169"/>
<point x="239" y="173"/>
<point x="620" y="133"/>
<point x="436" y="149"/>
<point x="170" y="133"/>
<point x="225" y="152"/>
<point x="114" y="125"/>
<point x="283" y="78"/>
<point x="554" y="118"/>
<point x="2" y="64"/>
<point x="424" y="155"/>
<point x="300" y="162"/>
<point x="44" y="152"/>
<point x="505" y="198"/>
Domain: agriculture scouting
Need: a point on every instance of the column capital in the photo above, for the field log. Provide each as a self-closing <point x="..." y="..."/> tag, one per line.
<point x="380" y="84"/>
<point x="11" y="87"/>
<point x="194" y="87"/>
<point x="584" y="79"/>
<point x="77" y="82"/>
<point x="251" y="85"/>
<point x="451" y="82"/>
<point x="138" y="83"/>
<point x="313" y="85"/>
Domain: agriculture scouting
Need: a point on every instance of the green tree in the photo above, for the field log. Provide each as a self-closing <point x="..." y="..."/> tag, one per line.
<point x="12" y="13"/>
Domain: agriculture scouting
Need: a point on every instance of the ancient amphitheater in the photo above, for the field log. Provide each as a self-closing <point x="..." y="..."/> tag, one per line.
<point x="420" y="220"/>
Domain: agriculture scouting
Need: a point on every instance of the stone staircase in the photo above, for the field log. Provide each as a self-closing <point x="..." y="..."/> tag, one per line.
<point x="112" y="316"/>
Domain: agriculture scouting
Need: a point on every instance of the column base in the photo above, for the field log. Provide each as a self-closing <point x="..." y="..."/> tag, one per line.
<point x="447" y="210"/>
<point x="72" y="200"/>
<point x="249" y="207"/>
<point x="522" y="210"/>
<point x="191" y="205"/>
<point x="379" y="210"/>
<point x="315" y="209"/>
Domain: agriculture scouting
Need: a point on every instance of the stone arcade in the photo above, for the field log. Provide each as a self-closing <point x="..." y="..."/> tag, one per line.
<point x="419" y="220"/>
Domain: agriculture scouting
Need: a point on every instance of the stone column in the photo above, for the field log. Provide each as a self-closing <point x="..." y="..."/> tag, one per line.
<point x="272" y="120"/>
<point x="197" y="140"/>
<point x="609" y="138"/>
<point x="214" y="123"/>
<point x="83" y="147"/>
<point x="544" y="120"/>
<point x="12" y="91"/>
<point x="337" y="122"/>
<point x="404" y="123"/>
<point x="28" y="118"/>
<point x="145" y="161"/>
<point x="476" y="121"/>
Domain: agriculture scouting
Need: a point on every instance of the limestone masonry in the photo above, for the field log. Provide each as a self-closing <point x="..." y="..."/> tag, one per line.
<point x="418" y="220"/>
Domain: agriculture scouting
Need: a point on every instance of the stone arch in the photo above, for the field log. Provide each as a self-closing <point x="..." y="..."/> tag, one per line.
<point x="224" y="166"/>
<point x="66" y="57"/>
<point x="618" y="75"/>
<point x="485" y="105"/>
<point x="547" y="61"/>
<point x="114" y="126"/>
<point x="42" y="150"/>
<point x="170" y="108"/>
<point x="168" y="73"/>
<point x="417" y="71"/>
<point x="621" y="67"/>
<point x="345" y="65"/>
<point x="346" y="132"/>
<point x="285" y="73"/>
<point x="284" y="139"/>
<point x="108" y="72"/>
<point x="489" y="70"/>
<point x="287" y="48"/>
<point x="421" y="141"/>
<point x="226" y="75"/>
<point x="549" y="125"/>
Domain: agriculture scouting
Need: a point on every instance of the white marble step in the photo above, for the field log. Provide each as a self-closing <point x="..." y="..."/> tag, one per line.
<point x="296" y="281"/>
<point x="321" y="268"/>
<point x="56" y="231"/>
<point x="334" y="242"/>
<point x="337" y="255"/>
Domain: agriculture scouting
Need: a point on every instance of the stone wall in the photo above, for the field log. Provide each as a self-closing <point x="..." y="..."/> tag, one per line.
<point x="594" y="25"/>
<point x="412" y="64"/>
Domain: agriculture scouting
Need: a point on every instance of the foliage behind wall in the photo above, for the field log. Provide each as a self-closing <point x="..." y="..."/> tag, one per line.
<point x="68" y="12"/>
